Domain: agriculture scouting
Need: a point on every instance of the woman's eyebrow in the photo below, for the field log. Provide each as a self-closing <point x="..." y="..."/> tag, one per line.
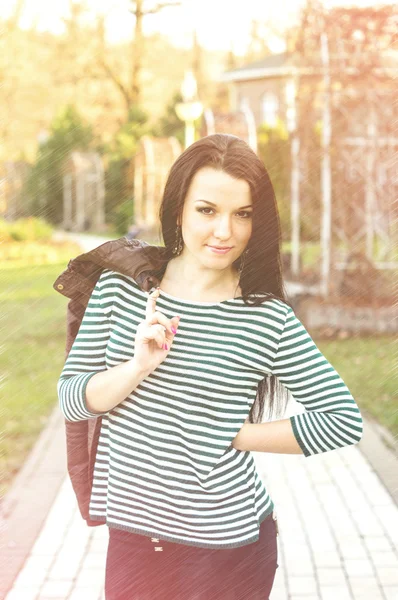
<point x="212" y="203"/>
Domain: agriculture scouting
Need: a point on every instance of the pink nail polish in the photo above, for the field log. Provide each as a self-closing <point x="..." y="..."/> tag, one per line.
<point x="174" y="330"/>
<point x="166" y="347"/>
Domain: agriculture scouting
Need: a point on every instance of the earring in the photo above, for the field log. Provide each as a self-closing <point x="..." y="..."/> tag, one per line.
<point x="242" y="261"/>
<point x="178" y="247"/>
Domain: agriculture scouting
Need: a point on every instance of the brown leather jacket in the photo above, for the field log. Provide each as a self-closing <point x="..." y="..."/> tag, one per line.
<point x="131" y="257"/>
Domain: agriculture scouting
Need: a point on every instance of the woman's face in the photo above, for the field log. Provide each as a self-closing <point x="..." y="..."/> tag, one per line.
<point x="217" y="212"/>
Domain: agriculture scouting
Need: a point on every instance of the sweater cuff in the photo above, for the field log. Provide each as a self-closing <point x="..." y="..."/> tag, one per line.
<point x="295" y="422"/>
<point x="72" y="394"/>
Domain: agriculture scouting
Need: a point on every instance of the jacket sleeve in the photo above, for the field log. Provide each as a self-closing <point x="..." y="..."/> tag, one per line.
<point x="85" y="359"/>
<point x="332" y="418"/>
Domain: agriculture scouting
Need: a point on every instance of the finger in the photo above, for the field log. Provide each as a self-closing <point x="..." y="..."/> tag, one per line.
<point x="168" y="324"/>
<point x="151" y="304"/>
<point x="158" y="332"/>
<point x="149" y="332"/>
<point x="159" y="337"/>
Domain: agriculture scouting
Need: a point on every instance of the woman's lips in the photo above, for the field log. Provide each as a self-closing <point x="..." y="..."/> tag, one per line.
<point x="219" y="250"/>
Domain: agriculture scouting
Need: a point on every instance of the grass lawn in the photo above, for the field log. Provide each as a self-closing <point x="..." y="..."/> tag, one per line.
<point x="366" y="365"/>
<point x="32" y="358"/>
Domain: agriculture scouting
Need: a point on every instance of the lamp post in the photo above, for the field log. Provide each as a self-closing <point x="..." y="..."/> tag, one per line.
<point x="291" y="117"/>
<point x="190" y="109"/>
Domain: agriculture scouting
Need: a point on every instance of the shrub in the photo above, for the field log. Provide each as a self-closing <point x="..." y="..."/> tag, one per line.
<point x="122" y="216"/>
<point x="29" y="229"/>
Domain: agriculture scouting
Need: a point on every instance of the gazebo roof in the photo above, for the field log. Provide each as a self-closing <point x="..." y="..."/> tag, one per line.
<point x="273" y="65"/>
<point x="285" y="64"/>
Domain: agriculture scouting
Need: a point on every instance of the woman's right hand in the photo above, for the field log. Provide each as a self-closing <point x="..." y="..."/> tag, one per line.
<point x="154" y="336"/>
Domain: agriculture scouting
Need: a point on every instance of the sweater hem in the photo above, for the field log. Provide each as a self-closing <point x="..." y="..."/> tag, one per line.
<point x="174" y="540"/>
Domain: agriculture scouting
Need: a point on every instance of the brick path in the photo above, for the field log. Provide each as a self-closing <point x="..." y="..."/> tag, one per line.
<point x="338" y="534"/>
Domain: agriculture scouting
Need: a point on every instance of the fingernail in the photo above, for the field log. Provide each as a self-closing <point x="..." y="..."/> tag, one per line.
<point x="165" y="347"/>
<point x="174" y="330"/>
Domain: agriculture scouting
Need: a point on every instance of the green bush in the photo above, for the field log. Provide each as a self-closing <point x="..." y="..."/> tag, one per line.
<point x="122" y="216"/>
<point x="29" y="229"/>
<point x="5" y="235"/>
<point x="43" y="188"/>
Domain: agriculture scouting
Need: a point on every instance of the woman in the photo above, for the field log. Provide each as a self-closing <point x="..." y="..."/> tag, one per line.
<point x="178" y="375"/>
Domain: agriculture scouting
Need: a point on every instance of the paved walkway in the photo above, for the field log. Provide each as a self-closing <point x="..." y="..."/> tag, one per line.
<point x="338" y="534"/>
<point x="337" y="517"/>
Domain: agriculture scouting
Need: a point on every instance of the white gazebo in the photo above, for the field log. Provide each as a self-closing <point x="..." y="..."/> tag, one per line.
<point x="152" y="162"/>
<point x="83" y="192"/>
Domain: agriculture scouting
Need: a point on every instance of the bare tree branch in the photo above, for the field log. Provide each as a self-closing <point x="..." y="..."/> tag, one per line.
<point x="155" y="9"/>
<point x="159" y="6"/>
<point x="16" y="15"/>
<point x="117" y="81"/>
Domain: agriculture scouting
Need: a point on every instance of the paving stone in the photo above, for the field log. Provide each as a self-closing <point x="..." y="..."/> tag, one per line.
<point x="358" y="567"/>
<point x="102" y="595"/>
<point x="339" y="592"/>
<point x="388" y="575"/>
<point x="299" y="567"/>
<point x="327" y="559"/>
<point x="363" y="585"/>
<point x="56" y="589"/>
<point x="41" y="563"/>
<point x="30" y="576"/>
<point x="102" y="531"/>
<point x="385" y="559"/>
<point x="34" y="571"/>
<point x="278" y="591"/>
<point x="370" y="594"/>
<point x="367" y="521"/>
<point x="302" y="585"/>
<point x="98" y="546"/>
<point x="96" y="559"/>
<point x="388" y="515"/>
<point x="377" y="543"/>
<point x="302" y="597"/>
<point x="94" y="577"/>
<point x="353" y="550"/>
<point x="21" y="593"/>
<point x="331" y="576"/>
<point x="65" y="569"/>
<point x="84" y="594"/>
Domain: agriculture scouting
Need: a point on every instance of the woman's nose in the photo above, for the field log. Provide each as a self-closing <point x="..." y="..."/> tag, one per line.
<point x="223" y="228"/>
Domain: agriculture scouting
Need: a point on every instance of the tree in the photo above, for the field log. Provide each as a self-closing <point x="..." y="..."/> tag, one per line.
<point x="131" y="88"/>
<point x="358" y="37"/>
<point x="120" y="172"/>
<point x="258" y="47"/>
<point x="169" y="124"/>
<point x="44" y="186"/>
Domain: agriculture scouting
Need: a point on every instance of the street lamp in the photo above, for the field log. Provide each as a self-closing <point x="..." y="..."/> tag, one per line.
<point x="291" y="117"/>
<point x="42" y="137"/>
<point x="190" y="109"/>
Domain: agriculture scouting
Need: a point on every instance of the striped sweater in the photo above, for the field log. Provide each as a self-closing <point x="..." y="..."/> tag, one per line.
<point x="165" y="466"/>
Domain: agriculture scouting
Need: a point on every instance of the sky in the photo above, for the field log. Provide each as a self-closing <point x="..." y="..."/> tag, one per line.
<point x="220" y="24"/>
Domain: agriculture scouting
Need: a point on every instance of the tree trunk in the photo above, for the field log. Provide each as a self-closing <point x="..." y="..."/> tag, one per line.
<point x="137" y="54"/>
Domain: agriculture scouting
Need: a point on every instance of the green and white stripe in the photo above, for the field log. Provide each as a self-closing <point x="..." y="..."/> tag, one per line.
<point x="164" y="466"/>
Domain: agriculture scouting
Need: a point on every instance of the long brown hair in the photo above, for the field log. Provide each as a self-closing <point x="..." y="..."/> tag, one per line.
<point x="262" y="269"/>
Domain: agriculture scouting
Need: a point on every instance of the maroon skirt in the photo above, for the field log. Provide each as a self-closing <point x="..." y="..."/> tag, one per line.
<point x="135" y="570"/>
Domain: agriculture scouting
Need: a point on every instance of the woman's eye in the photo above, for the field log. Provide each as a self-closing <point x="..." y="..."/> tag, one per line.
<point x="246" y="212"/>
